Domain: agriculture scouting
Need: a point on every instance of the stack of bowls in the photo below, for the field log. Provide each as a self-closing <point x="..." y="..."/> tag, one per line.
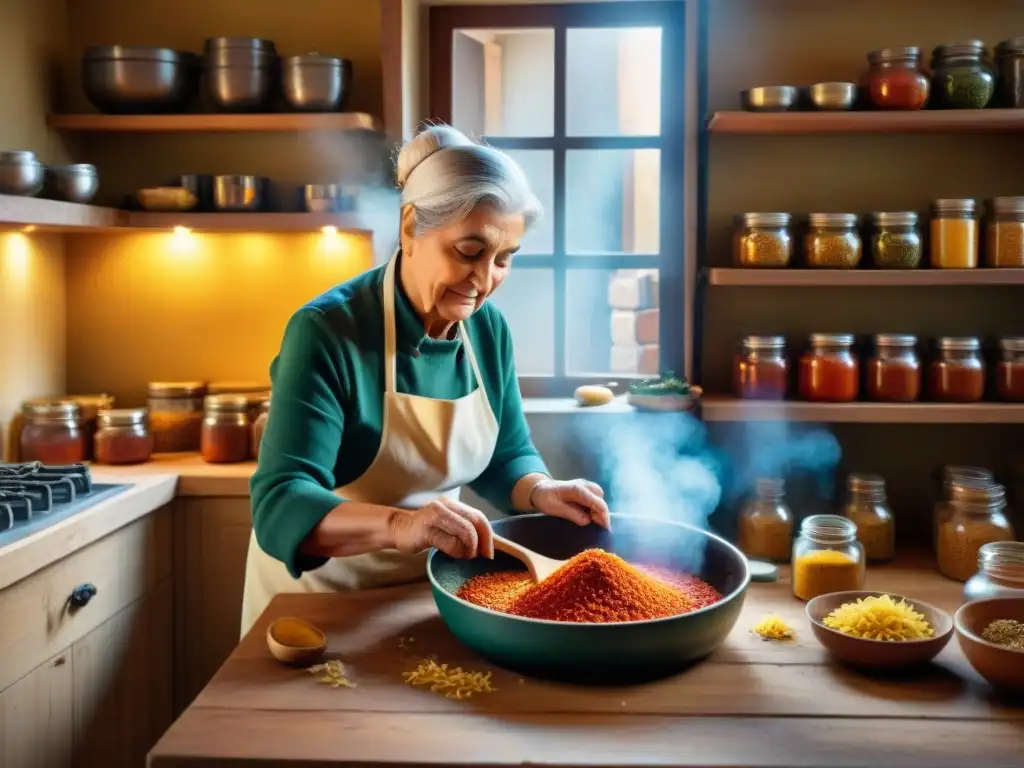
<point x="21" y="173"/>
<point x="241" y="72"/>
<point x="126" y="80"/>
<point x="316" y="83"/>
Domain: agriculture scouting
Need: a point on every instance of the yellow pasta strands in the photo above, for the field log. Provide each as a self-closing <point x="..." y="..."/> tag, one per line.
<point x="453" y="683"/>
<point x="879" y="618"/>
<point x="773" y="628"/>
<point x="333" y="674"/>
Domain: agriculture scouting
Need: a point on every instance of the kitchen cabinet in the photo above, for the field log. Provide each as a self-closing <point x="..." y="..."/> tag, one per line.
<point x="212" y="539"/>
<point x="36" y="717"/>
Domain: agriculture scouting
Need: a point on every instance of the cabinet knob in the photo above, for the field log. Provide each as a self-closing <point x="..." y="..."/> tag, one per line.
<point x="81" y="595"/>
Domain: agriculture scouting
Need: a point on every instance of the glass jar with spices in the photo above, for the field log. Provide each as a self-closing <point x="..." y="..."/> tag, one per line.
<point x="978" y="517"/>
<point x="1010" y="68"/>
<point x="894" y="371"/>
<point x="962" y="76"/>
<point x="91" y="405"/>
<point x="1004" y="233"/>
<point x="258" y="427"/>
<point x="766" y="523"/>
<point x="53" y="433"/>
<point x="957" y="374"/>
<point x="176" y="415"/>
<point x="895" y="79"/>
<point x="829" y="371"/>
<point x="254" y="392"/>
<point x="1000" y="572"/>
<point x="763" y="240"/>
<point x="1010" y="369"/>
<point x="867" y="507"/>
<point x="954" y="241"/>
<point x="123" y="436"/>
<point x="827" y="557"/>
<point x="944" y="506"/>
<point x="226" y="432"/>
<point x="760" y="368"/>
<point x="896" y="240"/>
<point x="832" y="241"/>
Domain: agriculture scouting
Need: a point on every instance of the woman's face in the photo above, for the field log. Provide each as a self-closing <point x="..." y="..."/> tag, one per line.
<point x="453" y="269"/>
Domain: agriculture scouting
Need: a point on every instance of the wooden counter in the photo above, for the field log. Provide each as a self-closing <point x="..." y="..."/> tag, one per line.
<point x="753" y="703"/>
<point x="194" y="476"/>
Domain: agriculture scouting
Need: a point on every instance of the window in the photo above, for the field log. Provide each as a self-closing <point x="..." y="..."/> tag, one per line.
<point x="588" y="98"/>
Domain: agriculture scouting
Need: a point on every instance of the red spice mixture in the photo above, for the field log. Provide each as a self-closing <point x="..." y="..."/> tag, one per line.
<point x="593" y="587"/>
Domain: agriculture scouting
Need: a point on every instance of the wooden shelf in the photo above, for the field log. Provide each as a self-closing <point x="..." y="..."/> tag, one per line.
<point x="924" y="121"/>
<point x="848" y="278"/>
<point x="267" y="123"/>
<point x="242" y="222"/>
<point x="725" y="409"/>
<point x="52" y="215"/>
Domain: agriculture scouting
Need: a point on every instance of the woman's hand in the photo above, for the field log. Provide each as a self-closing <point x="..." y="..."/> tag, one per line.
<point x="457" y="529"/>
<point x="580" y="501"/>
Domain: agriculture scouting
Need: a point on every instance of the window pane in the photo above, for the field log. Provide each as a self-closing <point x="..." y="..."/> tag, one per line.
<point x="503" y="82"/>
<point x="612" y="201"/>
<point x="527" y="299"/>
<point x="611" y="324"/>
<point x="539" y="166"/>
<point x="613" y="82"/>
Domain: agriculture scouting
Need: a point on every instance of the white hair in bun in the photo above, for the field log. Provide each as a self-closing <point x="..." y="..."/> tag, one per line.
<point x="444" y="175"/>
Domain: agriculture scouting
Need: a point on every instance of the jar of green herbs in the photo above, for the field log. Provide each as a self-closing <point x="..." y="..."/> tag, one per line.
<point x="896" y="240"/>
<point x="832" y="241"/>
<point x="962" y="76"/>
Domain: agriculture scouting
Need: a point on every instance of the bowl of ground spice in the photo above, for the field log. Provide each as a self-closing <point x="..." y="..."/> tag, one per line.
<point x="641" y="601"/>
<point x="991" y="635"/>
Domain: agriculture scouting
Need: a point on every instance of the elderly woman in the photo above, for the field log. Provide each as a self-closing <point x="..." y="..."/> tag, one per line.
<point x="396" y="388"/>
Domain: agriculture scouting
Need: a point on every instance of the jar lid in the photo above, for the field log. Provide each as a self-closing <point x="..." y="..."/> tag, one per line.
<point x="236" y="388"/>
<point x="770" y="487"/>
<point x="765" y="219"/>
<point x="828" y="527"/>
<point x="903" y="53"/>
<point x="176" y="388"/>
<point x="831" y="339"/>
<point x="1007" y="205"/>
<point x="895" y="218"/>
<point x="764" y="342"/>
<point x="998" y="553"/>
<point x="955" y="472"/>
<point x="226" y="403"/>
<point x="55" y="409"/>
<point x="19" y="157"/>
<point x="1011" y="47"/>
<point x="895" y="340"/>
<point x="977" y="491"/>
<point x="859" y="482"/>
<point x="1012" y="343"/>
<point x="955" y="206"/>
<point x="833" y="219"/>
<point x="959" y="343"/>
<point x="956" y="50"/>
<point x="122" y="417"/>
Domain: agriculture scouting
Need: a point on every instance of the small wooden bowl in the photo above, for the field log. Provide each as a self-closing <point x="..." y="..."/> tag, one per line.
<point x="1002" y="667"/>
<point x="286" y="644"/>
<point x="878" y="654"/>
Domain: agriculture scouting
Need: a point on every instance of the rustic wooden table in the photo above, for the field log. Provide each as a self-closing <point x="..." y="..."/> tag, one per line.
<point x="753" y="703"/>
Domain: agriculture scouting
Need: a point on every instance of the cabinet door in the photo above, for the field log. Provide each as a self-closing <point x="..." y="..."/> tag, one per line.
<point x="210" y="566"/>
<point x="123" y="683"/>
<point x="36" y="717"/>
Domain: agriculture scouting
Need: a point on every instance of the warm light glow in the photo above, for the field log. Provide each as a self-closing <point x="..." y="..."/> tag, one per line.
<point x="15" y="253"/>
<point x="329" y="230"/>
<point x="183" y="241"/>
<point x="29" y="228"/>
<point x="182" y="231"/>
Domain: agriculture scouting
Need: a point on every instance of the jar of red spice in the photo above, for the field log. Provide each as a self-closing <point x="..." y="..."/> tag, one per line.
<point x="53" y="432"/>
<point x="957" y="374"/>
<point x="226" y="431"/>
<point x="829" y="371"/>
<point x="176" y="414"/>
<point x="1010" y="369"/>
<point x="760" y="368"/>
<point x="123" y="436"/>
<point x="258" y="426"/>
<point x="896" y="79"/>
<point x="894" y="371"/>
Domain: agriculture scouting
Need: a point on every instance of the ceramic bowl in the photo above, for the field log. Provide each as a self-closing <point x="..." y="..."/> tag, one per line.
<point x="878" y="654"/>
<point x="285" y="638"/>
<point x="1001" y="667"/>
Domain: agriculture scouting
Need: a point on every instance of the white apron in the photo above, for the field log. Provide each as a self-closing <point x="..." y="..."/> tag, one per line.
<point x="428" y="449"/>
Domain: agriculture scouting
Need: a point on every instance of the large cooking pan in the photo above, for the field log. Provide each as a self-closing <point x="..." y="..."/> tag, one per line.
<point x="597" y="653"/>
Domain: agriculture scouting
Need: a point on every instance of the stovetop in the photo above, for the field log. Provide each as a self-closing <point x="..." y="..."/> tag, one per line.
<point x="34" y="496"/>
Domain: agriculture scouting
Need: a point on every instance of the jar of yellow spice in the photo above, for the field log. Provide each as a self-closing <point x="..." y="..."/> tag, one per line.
<point x="766" y="523"/>
<point x="867" y="507"/>
<point x="978" y="517"/>
<point x="1004" y="233"/>
<point x="954" y="241"/>
<point x="827" y="557"/>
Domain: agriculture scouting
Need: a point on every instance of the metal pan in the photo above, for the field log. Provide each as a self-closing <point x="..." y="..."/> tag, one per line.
<point x="597" y="653"/>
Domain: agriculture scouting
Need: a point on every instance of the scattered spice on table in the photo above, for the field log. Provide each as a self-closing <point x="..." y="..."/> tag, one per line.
<point x="450" y="682"/>
<point x="773" y="628"/>
<point x="1007" y="633"/>
<point x="593" y="587"/>
<point x="333" y="674"/>
<point x="879" y="618"/>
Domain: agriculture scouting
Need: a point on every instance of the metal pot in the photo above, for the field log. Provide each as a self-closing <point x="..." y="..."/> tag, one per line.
<point x="122" y="80"/>
<point x="76" y="183"/>
<point x="21" y="173"/>
<point x="212" y="44"/>
<point x="237" y="193"/>
<point x="316" y="83"/>
<point x="200" y="185"/>
<point x="321" y="198"/>
<point x="240" y="87"/>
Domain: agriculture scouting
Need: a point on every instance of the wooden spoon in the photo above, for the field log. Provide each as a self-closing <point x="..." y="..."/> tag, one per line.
<point x="540" y="567"/>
